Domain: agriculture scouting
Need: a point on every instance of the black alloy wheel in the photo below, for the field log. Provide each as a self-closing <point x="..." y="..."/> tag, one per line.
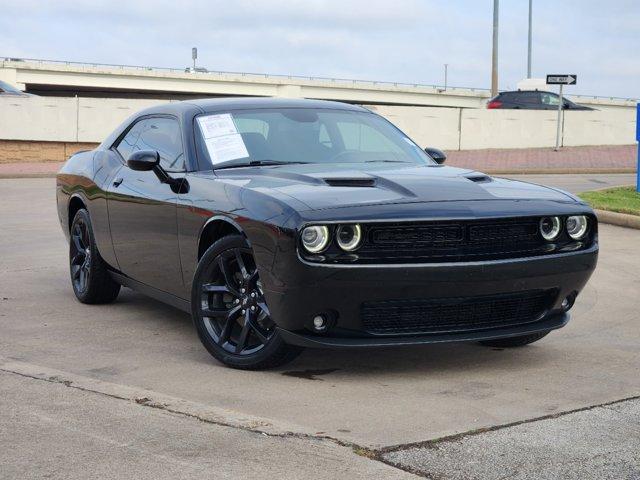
<point x="80" y="255"/>
<point x="230" y="311"/>
<point x="90" y="277"/>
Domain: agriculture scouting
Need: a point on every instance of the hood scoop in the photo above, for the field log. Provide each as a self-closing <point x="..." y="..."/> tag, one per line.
<point x="350" y="182"/>
<point x="479" y="178"/>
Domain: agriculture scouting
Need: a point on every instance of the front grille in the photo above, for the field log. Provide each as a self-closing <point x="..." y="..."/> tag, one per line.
<point x="461" y="314"/>
<point x="471" y="240"/>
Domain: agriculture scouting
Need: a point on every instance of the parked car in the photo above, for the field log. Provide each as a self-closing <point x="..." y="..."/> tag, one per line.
<point x="6" y="89"/>
<point x="282" y="224"/>
<point x="532" y="100"/>
<point x="196" y="70"/>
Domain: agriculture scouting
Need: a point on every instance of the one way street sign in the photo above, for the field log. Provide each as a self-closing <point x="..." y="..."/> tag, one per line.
<point x="562" y="79"/>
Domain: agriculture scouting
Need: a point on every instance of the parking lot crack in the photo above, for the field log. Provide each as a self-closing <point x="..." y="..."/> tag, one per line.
<point x="459" y="436"/>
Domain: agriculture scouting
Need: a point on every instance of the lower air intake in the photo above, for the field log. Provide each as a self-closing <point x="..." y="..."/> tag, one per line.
<point x="461" y="314"/>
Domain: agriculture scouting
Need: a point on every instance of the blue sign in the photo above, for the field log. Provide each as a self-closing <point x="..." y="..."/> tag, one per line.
<point x="638" y="123"/>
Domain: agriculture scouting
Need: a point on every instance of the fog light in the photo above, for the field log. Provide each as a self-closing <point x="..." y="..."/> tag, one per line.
<point x="319" y="323"/>
<point x="568" y="302"/>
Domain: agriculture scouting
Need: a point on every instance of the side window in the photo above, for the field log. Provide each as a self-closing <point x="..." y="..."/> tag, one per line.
<point x="128" y="143"/>
<point x="530" y="98"/>
<point x="163" y="135"/>
<point x="160" y="134"/>
<point x="550" y="99"/>
<point x="357" y="136"/>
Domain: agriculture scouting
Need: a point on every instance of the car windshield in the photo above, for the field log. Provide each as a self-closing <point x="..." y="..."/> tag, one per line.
<point x="302" y="135"/>
<point x="5" y="87"/>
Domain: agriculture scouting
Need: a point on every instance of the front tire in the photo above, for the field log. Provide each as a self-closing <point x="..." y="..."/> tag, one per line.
<point x="511" y="342"/>
<point x="229" y="310"/>
<point x="90" y="278"/>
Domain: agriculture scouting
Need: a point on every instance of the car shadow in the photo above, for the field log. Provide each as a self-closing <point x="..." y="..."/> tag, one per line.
<point x="422" y="359"/>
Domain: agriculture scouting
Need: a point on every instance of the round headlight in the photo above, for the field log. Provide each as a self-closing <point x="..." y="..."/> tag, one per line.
<point x="349" y="237"/>
<point x="316" y="238"/>
<point x="550" y="228"/>
<point x="577" y="226"/>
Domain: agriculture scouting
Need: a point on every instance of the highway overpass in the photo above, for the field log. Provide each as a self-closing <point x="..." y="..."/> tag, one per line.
<point x="53" y="78"/>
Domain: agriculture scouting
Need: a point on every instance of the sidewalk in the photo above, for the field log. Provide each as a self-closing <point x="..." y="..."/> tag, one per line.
<point x="598" y="159"/>
<point x="17" y="170"/>
<point x="608" y="158"/>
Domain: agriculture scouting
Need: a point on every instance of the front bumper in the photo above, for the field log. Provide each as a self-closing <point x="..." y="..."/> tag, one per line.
<point x="302" y="290"/>
<point x="550" y="322"/>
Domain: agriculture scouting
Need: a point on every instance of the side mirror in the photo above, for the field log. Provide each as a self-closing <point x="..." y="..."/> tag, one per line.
<point x="149" y="160"/>
<point x="436" y="154"/>
<point x="143" y="160"/>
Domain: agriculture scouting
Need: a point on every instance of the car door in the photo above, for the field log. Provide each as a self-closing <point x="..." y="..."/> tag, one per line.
<point x="528" y="101"/>
<point x="143" y="211"/>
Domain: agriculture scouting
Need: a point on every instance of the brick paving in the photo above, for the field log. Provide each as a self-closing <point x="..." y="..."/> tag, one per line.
<point x="544" y="160"/>
<point x="569" y="159"/>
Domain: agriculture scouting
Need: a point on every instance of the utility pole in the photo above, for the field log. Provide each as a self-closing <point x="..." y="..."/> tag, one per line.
<point x="530" y="30"/>
<point x="445" y="75"/>
<point x="560" y="112"/>
<point x="494" y="55"/>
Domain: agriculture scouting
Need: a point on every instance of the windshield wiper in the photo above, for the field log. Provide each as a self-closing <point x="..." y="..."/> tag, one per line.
<point x="256" y="163"/>
<point x="386" y="161"/>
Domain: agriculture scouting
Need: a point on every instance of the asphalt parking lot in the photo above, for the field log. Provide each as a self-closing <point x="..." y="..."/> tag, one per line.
<point x="73" y="371"/>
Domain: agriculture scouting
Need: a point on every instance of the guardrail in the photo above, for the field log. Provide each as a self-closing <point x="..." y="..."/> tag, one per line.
<point x="355" y="82"/>
<point x="242" y="74"/>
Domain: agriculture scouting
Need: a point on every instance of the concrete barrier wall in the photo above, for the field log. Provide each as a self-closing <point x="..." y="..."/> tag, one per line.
<point x="427" y="126"/>
<point x="599" y="127"/>
<point x="482" y="128"/>
<point x="478" y="128"/>
<point x="60" y="119"/>
<point x="39" y="118"/>
<point x="98" y="117"/>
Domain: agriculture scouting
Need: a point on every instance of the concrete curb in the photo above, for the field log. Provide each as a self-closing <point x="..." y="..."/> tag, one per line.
<point x="149" y="398"/>
<point x="619" y="219"/>
<point x="26" y="175"/>
<point x="556" y="171"/>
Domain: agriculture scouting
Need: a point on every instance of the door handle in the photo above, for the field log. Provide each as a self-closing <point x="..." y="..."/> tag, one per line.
<point x="117" y="182"/>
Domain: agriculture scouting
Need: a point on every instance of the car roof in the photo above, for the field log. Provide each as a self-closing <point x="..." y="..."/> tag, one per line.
<point x="524" y="91"/>
<point x="206" y="105"/>
<point x="188" y="108"/>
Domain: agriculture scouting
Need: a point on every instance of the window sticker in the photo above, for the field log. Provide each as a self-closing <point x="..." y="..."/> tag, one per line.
<point x="217" y="125"/>
<point x="222" y="139"/>
<point x="225" y="148"/>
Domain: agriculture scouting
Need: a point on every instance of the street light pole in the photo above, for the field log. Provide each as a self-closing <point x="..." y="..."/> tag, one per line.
<point x="494" y="55"/>
<point x="529" y="49"/>
<point x="446" y="65"/>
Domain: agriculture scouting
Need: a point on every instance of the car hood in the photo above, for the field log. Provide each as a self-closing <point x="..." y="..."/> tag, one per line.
<point x="331" y="186"/>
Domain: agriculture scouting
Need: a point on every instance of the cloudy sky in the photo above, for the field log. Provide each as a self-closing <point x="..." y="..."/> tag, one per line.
<point x="392" y="40"/>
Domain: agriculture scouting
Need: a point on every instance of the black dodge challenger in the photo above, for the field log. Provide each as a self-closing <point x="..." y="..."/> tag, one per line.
<point x="283" y="224"/>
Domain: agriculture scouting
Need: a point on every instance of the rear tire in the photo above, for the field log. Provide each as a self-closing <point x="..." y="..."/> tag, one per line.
<point x="90" y="278"/>
<point x="511" y="342"/>
<point x="230" y="312"/>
